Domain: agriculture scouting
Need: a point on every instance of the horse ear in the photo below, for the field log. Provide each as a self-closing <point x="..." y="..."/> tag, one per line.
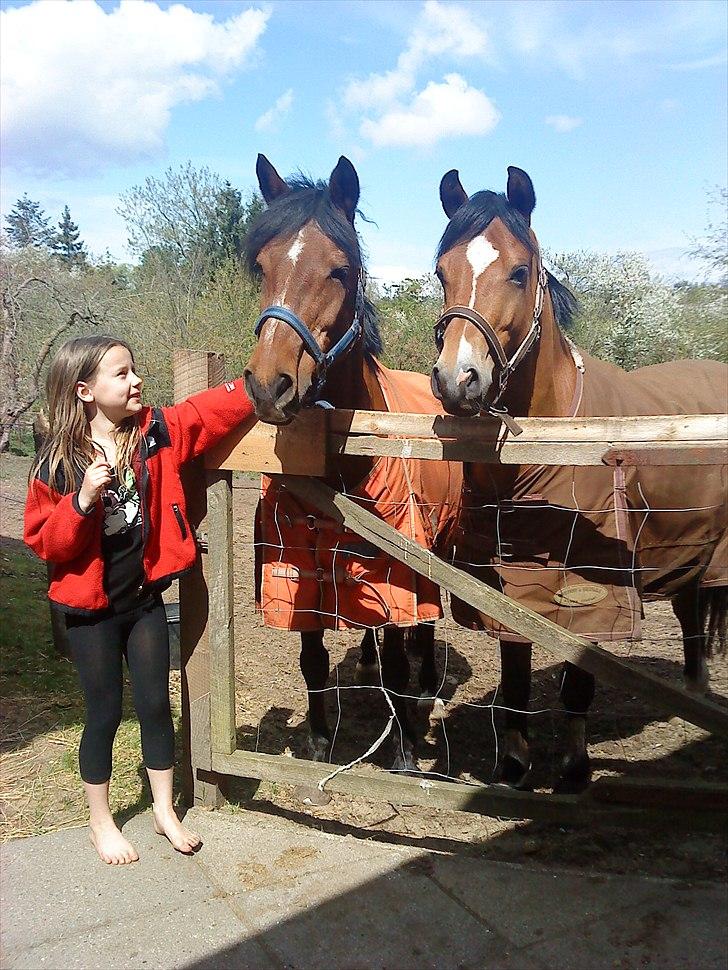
<point x="452" y="194"/>
<point x="344" y="188"/>
<point x="520" y="192"/>
<point x="272" y="186"/>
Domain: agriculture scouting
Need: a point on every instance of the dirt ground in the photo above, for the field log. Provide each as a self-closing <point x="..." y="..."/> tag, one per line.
<point x="626" y="735"/>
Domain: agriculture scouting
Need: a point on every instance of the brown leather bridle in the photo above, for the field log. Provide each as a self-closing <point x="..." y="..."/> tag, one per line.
<point x="505" y="365"/>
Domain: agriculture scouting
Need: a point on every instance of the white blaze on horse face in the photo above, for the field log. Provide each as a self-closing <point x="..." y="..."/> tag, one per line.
<point x="466" y="359"/>
<point x="480" y="254"/>
<point x="297" y="248"/>
<point x="293" y="253"/>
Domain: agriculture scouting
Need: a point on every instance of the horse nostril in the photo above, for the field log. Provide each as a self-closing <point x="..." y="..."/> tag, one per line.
<point x="472" y="382"/>
<point x="252" y="388"/>
<point x="280" y="385"/>
<point x="435" y="383"/>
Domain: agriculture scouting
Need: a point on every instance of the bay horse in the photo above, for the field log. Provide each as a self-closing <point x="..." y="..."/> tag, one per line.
<point x="582" y="546"/>
<point x="318" y="344"/>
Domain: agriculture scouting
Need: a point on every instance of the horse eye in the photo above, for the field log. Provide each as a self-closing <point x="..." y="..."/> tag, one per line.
<point x="340" y="273"/>
<point x="519" y="276"/>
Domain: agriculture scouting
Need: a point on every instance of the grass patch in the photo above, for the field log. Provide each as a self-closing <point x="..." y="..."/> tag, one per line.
<point x="43" y="715"/>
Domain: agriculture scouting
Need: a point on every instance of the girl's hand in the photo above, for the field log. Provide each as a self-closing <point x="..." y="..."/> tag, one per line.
<point x="97" y="477"/>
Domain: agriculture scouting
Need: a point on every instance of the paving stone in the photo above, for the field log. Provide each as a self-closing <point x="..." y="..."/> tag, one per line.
<point x="675" y="927"/>
<point x="55" y="884"/>
<point x="529" y="904"/>
<point x="205" y="934"/>
<point x="275" y="851"/>
<point x="372" y="914"/>
<point x="269" y="892"/>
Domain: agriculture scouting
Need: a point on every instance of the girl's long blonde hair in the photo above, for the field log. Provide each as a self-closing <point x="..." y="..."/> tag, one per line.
<point x="68" y="447"/>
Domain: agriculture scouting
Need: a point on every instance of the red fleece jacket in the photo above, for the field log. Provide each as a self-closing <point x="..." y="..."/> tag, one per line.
<point x="59" y="532"/>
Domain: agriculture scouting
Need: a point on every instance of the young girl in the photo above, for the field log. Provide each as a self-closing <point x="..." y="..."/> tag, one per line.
<point x="106" y="507"/>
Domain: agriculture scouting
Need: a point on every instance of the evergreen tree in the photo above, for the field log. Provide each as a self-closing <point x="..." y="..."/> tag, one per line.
<point x="229" y="223"/>
<point x="27" y="225"/>
<point x="66" y="244"/>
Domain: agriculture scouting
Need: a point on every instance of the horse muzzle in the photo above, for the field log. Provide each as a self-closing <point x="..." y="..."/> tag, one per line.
<point x="462" y="392"/>
<point x="275" y="401"/>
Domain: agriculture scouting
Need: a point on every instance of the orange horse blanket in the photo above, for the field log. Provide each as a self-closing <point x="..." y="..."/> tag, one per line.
<point x="313" y="576"/>
<point x="583" y="546"/>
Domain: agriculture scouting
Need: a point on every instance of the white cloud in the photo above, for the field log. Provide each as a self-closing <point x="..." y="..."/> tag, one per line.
<point x="85" y="88"/>
<point x="441" y="110"/>
<point x="390" y="109"/>
<point x="271" y="119"/>
<point x="563" y="123"/>
<point x="439" y="30"/>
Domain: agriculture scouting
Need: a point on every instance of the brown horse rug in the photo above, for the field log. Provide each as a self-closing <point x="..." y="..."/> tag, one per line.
<point x="583" y="546"/>
<point x="313" y="576"/>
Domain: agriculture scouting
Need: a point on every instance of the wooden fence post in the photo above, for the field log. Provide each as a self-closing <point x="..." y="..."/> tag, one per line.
<point x="196" y="370"/>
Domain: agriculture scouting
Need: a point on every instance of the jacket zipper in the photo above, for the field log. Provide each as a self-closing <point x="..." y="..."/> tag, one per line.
<point x="180" y="520"/>
<point x="142" y="487"/>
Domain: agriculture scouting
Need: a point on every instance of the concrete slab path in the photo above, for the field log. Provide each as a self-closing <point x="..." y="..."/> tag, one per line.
<point x="265" y="892"/>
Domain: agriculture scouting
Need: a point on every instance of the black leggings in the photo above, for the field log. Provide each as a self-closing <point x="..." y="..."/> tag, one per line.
<point x="97" y="648"/>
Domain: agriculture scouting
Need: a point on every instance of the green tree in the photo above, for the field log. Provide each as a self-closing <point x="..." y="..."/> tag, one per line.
<point x="67" y="245"/>
<point x="43" y="303"/>
<point x="627" y="314"/>
<point x="407" y="313"/>
<point x="230" y="221"/>
<point x="27" y="225"/>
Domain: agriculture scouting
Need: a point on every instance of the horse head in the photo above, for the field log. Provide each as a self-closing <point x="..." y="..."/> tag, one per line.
<point x="494" y="284"/>
<point x="306" y="252"/>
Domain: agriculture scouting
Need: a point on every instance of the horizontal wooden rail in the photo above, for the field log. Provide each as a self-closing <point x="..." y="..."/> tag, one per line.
<point x="558" y="641"/>
<point x="493" y="800"/>
<point x="305" y="446"/>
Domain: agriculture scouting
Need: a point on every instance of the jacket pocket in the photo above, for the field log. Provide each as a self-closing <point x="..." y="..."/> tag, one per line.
<point x="180" y="520"/>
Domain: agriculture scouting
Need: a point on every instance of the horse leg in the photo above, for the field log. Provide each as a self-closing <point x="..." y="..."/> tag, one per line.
<point x="395" y="678"/>
<point x="690" y="610"/>
<point x="516" y="691"/>
<point x="429" y="678"/>
<point x="577" y="693"/>
<point x="315" y="670"/>
<point x="367" y="667"/>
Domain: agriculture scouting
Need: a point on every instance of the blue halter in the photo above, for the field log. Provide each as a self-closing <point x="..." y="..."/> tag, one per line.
<point x="322" y="361"/>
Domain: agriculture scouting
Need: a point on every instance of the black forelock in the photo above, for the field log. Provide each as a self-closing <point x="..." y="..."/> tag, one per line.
<point x="474" y="217"/>
<point x="307" y="200"/>
<point x="310" y="200"/>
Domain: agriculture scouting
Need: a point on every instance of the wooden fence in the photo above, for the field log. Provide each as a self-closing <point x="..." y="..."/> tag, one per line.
<point x="300" y="452"/>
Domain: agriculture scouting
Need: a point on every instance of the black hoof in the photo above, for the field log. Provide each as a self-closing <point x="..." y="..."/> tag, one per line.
<point x="318" y="747"/>
<point x="514" y="774"/>
<point x="575" y="776"/>
<point x="405" y="762"/>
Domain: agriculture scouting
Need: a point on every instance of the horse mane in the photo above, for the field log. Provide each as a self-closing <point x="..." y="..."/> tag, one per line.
<point x="310" y="200"/>
<point x="474" y="217"/>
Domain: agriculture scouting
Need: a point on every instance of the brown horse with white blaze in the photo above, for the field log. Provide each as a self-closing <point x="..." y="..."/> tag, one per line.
<point x="582" y="546"/>
<point x="318" y="344"/>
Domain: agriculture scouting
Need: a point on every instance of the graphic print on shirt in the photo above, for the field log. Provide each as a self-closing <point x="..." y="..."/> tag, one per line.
<point x="121" y="505"/>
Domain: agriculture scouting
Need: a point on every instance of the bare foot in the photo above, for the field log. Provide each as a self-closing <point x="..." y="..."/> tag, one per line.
<point x="111" y="845"/>
<point x="167" y="823"/>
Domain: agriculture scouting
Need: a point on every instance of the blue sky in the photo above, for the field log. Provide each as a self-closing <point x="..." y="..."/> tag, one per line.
<point x="616" y="109"/>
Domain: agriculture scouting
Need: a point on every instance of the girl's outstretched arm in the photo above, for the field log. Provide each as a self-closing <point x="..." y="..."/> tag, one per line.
<point x="200" y="421"/>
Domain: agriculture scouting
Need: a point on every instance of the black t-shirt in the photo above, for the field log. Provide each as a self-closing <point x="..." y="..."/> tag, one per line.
<point x="121" y="544"/>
